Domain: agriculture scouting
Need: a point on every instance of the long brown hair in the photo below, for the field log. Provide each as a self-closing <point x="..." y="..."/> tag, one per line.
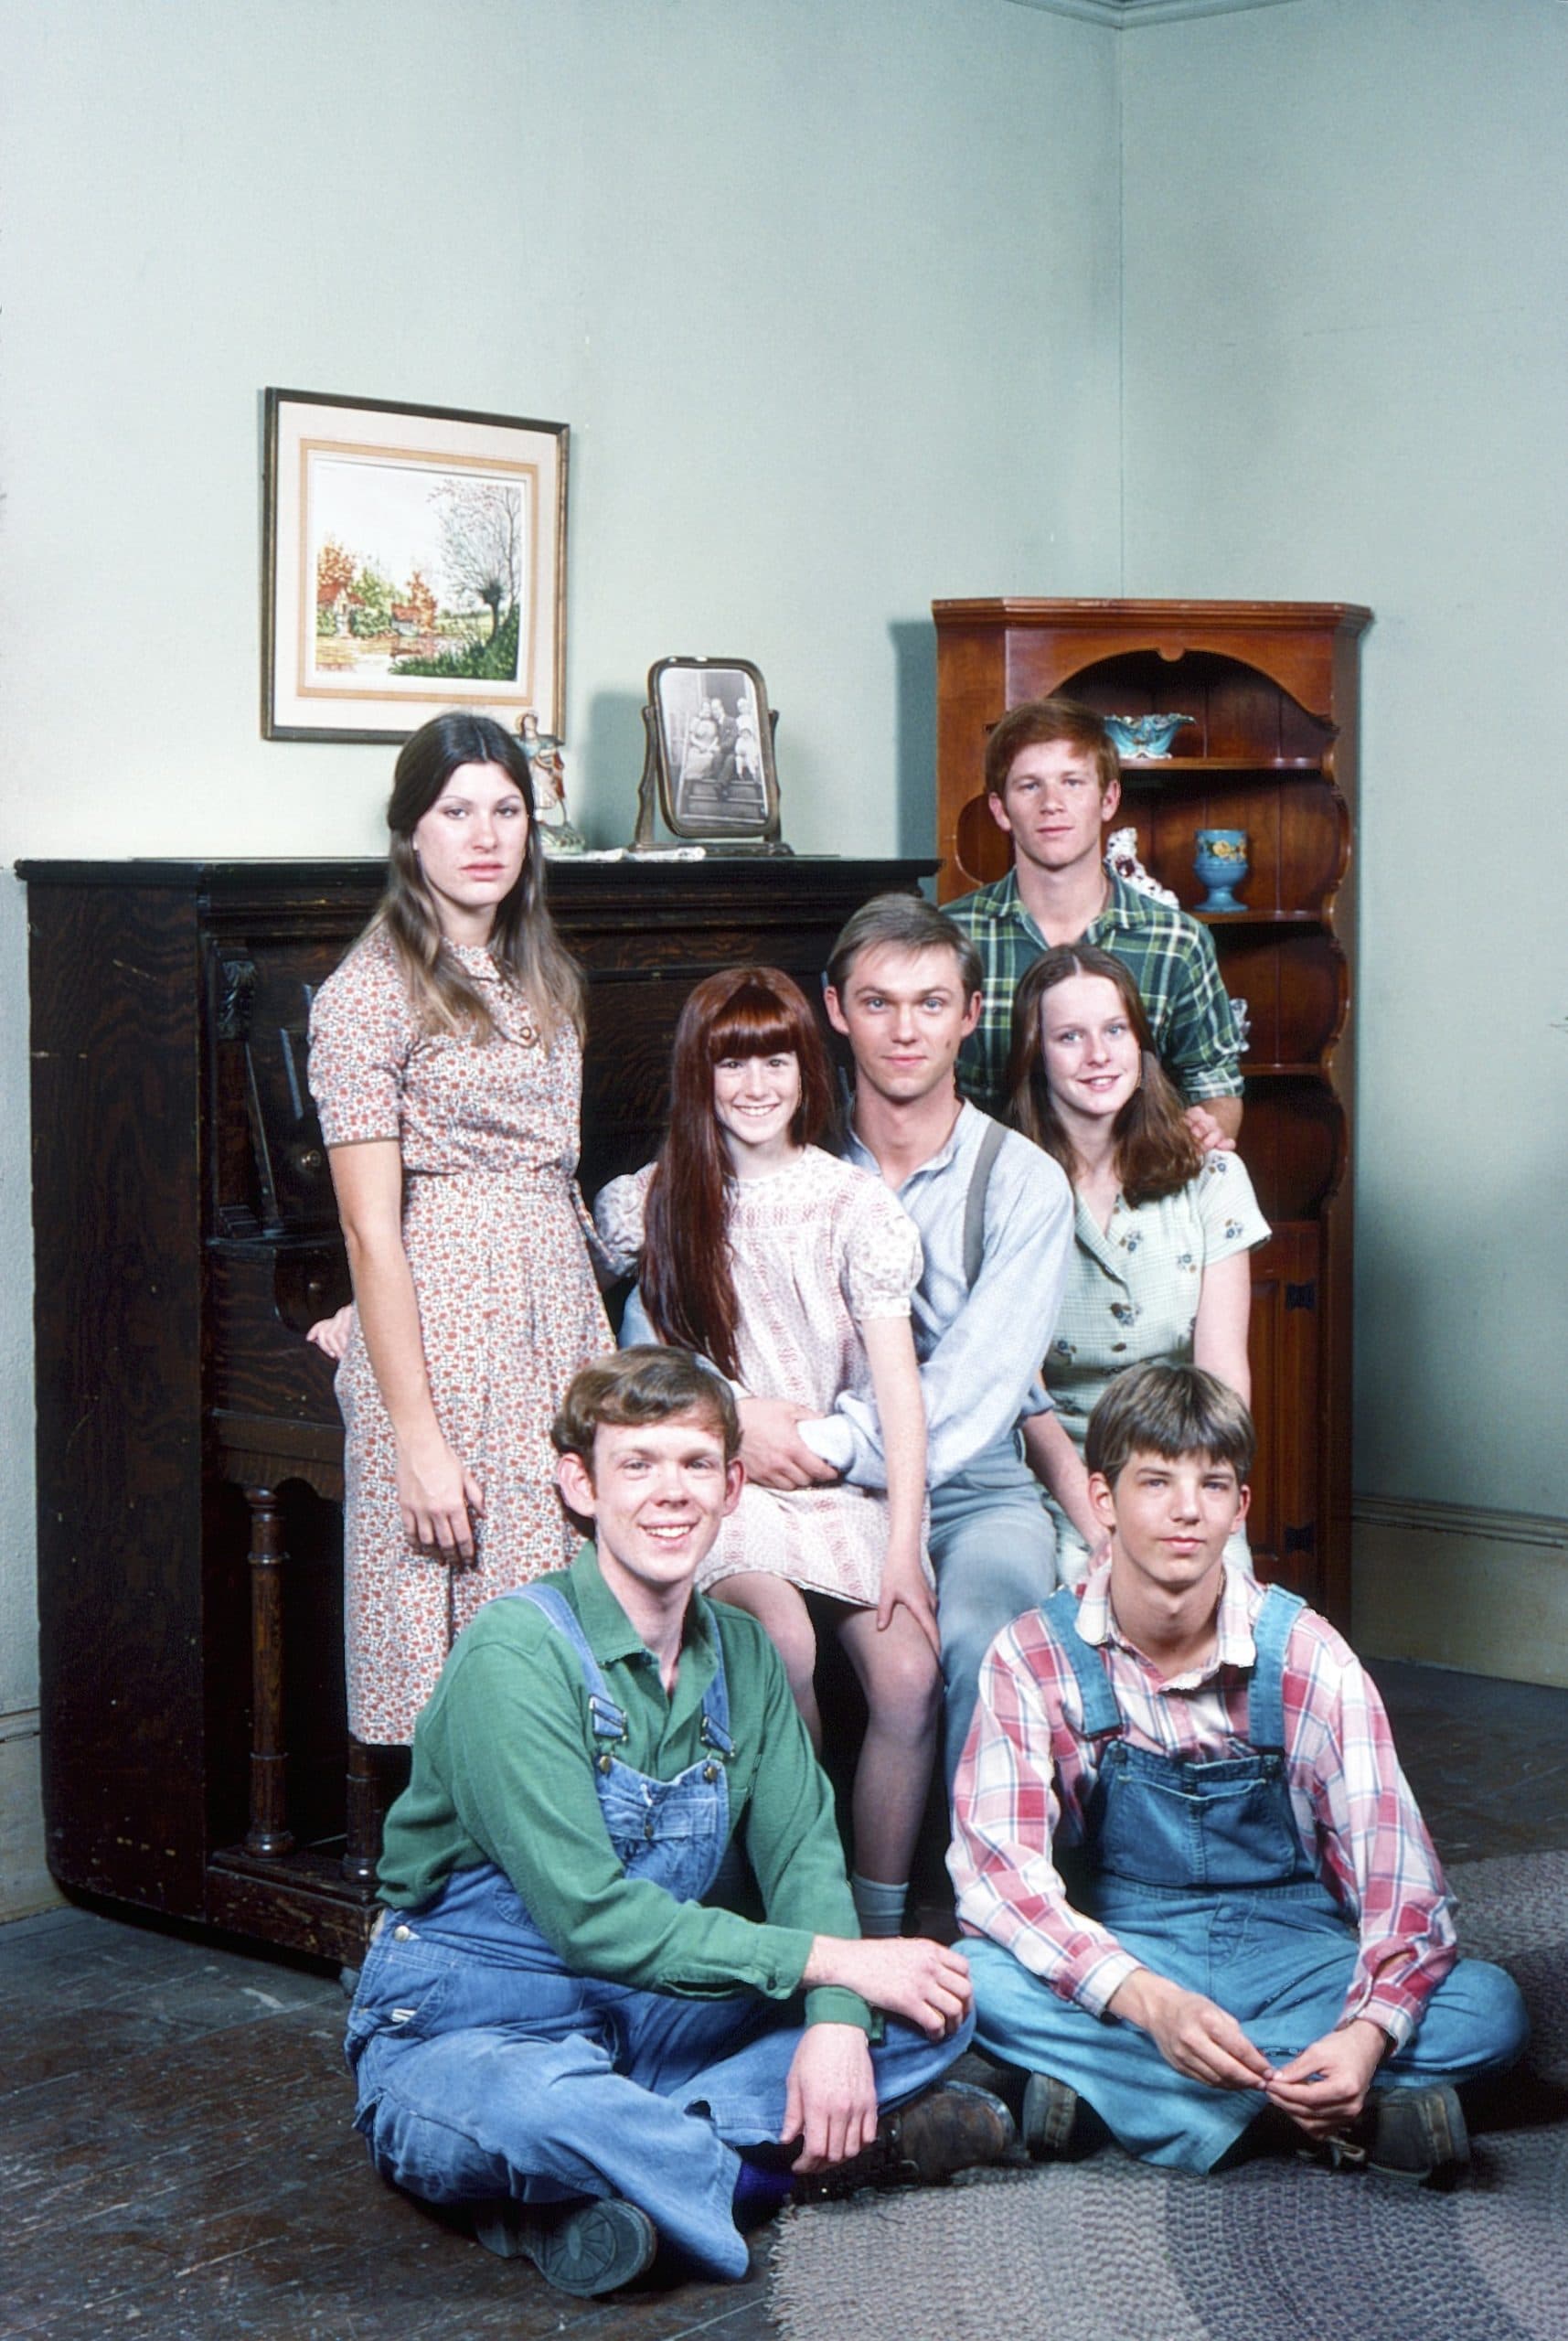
<point x="523" y="942"/>
<point x="1156" y="1152"/>
<point x="687" y="1287"/>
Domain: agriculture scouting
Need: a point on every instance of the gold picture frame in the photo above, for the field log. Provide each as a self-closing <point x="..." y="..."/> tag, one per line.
<point x="413" y="559"/>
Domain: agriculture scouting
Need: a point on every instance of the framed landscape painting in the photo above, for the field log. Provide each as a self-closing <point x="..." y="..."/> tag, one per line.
<point x="414" y="558"/>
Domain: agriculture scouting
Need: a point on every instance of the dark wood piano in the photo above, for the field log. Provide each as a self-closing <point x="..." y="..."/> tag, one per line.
<point x="195" y="1751"/>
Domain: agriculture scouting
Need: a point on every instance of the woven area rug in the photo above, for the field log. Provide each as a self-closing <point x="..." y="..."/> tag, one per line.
<point x="1108" y="2249"/>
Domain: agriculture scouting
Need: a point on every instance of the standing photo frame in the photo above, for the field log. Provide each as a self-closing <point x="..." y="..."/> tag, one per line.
<point x="413" y="559"/>
<point x="711" y="756"/>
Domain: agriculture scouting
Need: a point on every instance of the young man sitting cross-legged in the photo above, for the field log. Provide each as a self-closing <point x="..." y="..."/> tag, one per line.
<point x="551" y="2024"/>
<point x="1201" y="1886"/>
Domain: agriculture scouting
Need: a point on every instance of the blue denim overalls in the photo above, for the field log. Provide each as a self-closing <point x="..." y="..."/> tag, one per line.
<point x="486" y="2069"/>
<point x="1198" y="1871"/>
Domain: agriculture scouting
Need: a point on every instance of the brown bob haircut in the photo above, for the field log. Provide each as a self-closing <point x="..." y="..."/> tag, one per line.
<point x="687" y="1289"/>
<point x="1156" y="1152"/>
<point x="1168" y="1411"/>
<point x="639" y="1386"/>
<point x="1035" y="722"/>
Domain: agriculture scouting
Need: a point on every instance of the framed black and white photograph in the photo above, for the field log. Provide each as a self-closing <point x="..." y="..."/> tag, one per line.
<point x="414" y="558"/>
<point x="711" y="735"/>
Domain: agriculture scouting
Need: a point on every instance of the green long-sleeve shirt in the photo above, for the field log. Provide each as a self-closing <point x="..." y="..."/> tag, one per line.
<point x="503" y="1772"/>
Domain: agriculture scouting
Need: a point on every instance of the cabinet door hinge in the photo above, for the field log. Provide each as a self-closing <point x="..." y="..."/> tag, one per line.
<point x="1301" y="1296"/>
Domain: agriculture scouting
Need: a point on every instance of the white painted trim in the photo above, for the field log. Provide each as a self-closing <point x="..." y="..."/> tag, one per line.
<point x="26" y="1885"/>
<point x="1126" y="13"/>
<point x="1453" y="1585"/>
<point x="1461" y="1519"/>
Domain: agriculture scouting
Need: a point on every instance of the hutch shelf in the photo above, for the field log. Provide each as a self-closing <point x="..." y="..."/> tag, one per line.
<point x="1272" y="690"/>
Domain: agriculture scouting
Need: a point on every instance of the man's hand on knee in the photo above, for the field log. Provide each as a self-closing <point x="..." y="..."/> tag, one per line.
<point x="1193" y="2035"/>
<point x="924" y="1982"/>
<point x="773" y="1451"/>
<point x="831" y="2100"/>
<point x="1325" y="2087"/>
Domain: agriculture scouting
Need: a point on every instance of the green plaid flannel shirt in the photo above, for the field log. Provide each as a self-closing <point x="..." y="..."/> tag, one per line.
<point x="1172" y="961"/>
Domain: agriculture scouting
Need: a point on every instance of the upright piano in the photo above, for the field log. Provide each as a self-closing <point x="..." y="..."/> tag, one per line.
<point x="196" y="1756"/>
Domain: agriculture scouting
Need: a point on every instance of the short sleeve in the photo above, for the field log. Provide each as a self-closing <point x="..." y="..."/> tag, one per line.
<point x="618" y="1216"/>
<point x="1228" y="1208"/>
<point x="361" y="1034"/>
<point x="883" y="1259"/>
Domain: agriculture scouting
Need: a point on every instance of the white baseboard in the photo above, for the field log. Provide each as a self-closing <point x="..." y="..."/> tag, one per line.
<point x="26" y="1885"/>
<point x="1483" y="1591"/>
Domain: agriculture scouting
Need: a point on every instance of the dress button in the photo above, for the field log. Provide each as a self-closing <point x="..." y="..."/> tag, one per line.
<point x="1116" y="1348"/>
<point x="401" y="1934"/>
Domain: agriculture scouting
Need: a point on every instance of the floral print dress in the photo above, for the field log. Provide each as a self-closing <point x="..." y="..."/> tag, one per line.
<point x="494" y="1233"/>
<point x="816" y="1250"/>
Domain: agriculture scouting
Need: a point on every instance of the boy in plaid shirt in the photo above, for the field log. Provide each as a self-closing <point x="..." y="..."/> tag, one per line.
<point x="1199" y="1884"/>
<point x="1052" y="783"/>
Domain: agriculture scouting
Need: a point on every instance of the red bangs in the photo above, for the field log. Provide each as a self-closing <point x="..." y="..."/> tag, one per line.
<point x="755" y="1022"/>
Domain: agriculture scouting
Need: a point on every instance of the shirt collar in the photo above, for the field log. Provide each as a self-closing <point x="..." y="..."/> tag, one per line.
<point x="1123" y="908"/>
<point x="610" y="1633"/>
<point x="1233" y="1643"/>
<point x="1121" y="911"/>
<point x="859" y="1153"/>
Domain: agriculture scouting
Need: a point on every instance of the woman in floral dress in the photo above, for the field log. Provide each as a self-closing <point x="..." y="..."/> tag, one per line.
<point x="791" y="1272"/>
<point x="1159" y="1267"/>
<point x="446" y="1063"/>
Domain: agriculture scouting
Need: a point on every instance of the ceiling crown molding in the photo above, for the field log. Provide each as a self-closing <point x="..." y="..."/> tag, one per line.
<point x="1125" y="14"/>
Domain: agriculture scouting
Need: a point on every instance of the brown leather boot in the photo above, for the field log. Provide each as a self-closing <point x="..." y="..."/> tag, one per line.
<point x="952" y="2127"/>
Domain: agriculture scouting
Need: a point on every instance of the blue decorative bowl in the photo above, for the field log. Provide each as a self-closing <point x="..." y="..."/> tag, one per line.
<point x="1220" y="861"/>
<point x="1145" y="735"/>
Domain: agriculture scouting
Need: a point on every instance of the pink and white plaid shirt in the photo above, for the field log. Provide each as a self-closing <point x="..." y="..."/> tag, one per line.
<point x="1026" y="1772"/>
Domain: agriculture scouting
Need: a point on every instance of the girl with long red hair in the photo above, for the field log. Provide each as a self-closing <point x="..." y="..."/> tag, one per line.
<point x="790" y="1272"/>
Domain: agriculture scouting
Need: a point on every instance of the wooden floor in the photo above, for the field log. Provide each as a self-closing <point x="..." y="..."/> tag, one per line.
<point x="174" y="2140"/>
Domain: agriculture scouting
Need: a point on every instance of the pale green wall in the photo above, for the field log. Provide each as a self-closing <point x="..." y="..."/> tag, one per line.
<point x="1345" y="239"/>
<point x="831" y="311"/>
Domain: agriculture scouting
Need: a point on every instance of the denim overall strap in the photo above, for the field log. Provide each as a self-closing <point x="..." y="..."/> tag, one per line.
<point x="1101" y="1713"/>
<point x="607" y="1720"/>
<point x="716" y="1703"/>
<point x="1265" y="1694"/>
<point x="1180" y="1825"/>
<point x="672" y="1832"/>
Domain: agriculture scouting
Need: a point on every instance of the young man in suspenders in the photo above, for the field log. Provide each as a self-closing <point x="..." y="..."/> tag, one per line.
<point x="994" y="1216"/>
<point x="1199" y="1887"/>
<point x="553" y="2025"/>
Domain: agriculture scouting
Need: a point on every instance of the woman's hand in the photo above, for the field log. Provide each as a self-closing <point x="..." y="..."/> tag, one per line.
<point x="439" y="1497"/>
<point x="332" y="1334"/>
<point x="903" y="1581"/>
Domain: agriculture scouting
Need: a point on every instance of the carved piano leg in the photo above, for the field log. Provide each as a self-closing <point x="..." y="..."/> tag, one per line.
<point x="269" y="1831"/>
<point x="367" y="1802"/>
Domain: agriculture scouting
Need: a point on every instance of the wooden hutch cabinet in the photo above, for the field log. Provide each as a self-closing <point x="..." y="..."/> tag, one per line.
<point x="1273" y="688"/>
<point x="189" y="1452"/>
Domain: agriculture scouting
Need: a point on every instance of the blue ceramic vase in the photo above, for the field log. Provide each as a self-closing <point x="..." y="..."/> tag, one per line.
<point x="1219" y="862"/>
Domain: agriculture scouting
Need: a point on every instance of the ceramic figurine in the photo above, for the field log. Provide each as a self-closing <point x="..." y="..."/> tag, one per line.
<point x="1241" y="1017"/>
<point x="1145" y="737"/>
<point x="546" y="770"/>
<point x="1121" y="862"/>
<point x="1219" y="862"/>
